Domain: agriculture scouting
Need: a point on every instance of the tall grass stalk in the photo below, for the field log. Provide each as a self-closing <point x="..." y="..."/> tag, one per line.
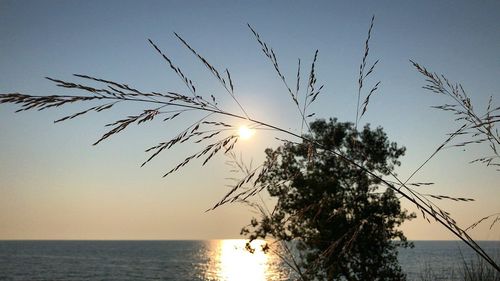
<point x="220" y="136"/>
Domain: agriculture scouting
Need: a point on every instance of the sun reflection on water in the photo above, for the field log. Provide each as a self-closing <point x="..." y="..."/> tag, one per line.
<point x="235" y="263"/>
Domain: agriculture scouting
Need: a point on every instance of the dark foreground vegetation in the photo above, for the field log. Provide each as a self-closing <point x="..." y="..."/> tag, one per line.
<point x="335" y="200"/>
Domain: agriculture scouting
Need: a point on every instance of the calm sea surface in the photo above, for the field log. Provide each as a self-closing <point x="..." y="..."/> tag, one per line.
<point x="191" y="260"/>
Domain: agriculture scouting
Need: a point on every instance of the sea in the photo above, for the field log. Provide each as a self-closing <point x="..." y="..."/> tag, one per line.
<point x="226" y="260"/>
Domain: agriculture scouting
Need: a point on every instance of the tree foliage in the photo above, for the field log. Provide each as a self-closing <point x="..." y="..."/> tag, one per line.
<point x="341" y="223"/>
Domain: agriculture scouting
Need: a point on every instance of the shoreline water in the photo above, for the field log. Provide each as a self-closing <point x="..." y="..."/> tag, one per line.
<point x="193" y="260"/>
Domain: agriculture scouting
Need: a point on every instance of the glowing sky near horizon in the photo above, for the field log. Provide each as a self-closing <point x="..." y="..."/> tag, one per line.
<point x="55" y="185"/>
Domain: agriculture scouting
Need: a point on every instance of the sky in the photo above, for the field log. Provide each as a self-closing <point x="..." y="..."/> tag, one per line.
<point x="55" y="185"/>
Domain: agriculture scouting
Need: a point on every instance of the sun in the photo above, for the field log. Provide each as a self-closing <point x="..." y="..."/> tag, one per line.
<point x="245" y="133"/>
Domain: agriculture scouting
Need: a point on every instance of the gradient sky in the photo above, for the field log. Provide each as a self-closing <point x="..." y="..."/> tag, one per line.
<point x="55" y="185"/>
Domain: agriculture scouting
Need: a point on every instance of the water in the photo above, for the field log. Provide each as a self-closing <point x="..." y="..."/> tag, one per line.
<point x="136" y="260"/>
<point x="188" y="260"/>
<point x="443" y="258"/>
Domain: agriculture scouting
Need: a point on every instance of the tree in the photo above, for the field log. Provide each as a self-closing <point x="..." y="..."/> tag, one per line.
<point x="341" y="222"/>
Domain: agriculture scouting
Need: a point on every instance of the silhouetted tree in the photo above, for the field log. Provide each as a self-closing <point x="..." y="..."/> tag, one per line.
<point x="341" y="223"/>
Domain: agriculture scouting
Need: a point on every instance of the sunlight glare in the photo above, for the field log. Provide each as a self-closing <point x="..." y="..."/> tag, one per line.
<point x="237" y="264"/>
<point x="245" y="133"/>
